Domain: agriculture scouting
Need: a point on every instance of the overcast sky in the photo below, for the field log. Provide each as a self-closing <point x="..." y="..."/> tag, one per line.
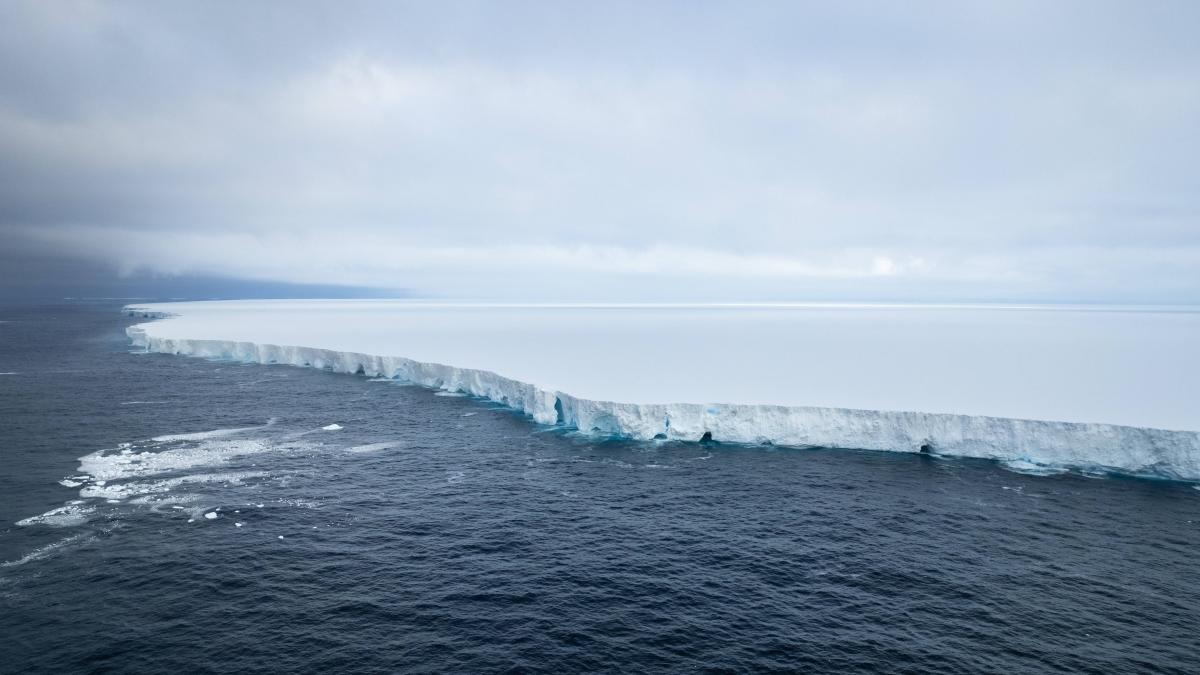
<point x="1040" y="151"/>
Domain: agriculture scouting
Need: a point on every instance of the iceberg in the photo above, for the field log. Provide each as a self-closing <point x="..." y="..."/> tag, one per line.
<point x="1080" y="387"/>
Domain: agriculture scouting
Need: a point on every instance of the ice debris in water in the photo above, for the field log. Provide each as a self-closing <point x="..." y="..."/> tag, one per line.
<point x="237" y="524"/>
<point x="211" y="515"/>
<point x="63" y="516"/>
<point x="207" y="452"/>
<point x="332" y="427"/>
<point x="204" y="435"/>
<point x="373" y="447"/>
<point x="137" y="488"/>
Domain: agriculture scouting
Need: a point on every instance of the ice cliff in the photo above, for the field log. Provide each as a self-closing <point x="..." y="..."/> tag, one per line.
<point x="1033" y="443"/>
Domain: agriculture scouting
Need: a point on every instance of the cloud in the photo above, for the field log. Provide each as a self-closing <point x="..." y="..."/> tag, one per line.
<point x="950" y="151"/>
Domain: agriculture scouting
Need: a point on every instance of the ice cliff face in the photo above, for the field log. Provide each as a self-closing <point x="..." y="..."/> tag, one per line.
<point x="1133" y="450"/>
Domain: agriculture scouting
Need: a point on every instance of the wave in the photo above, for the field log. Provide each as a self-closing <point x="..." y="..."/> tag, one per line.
<point x="120" y="491"/>
<point x="63" y="516"/>
<point x="205" y="435"/>
<point x="1132" y="450"/>
<point x="47" y="550"/>
<point x="374" y="447"/>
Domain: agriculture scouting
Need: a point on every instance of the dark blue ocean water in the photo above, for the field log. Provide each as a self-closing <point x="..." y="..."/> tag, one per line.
<point x="435" y="533"/>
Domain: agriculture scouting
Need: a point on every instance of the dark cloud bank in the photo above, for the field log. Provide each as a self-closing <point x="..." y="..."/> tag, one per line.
<point x="918" y="152"/>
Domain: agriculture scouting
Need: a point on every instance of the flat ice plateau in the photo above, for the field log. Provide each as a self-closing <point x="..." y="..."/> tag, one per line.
<point x="1038" y="387"/>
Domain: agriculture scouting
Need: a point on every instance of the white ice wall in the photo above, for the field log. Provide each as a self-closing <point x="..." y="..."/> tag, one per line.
<point x="1135" y="450"/>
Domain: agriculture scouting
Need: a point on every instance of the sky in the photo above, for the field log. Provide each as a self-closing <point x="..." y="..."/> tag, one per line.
<point x="604" y="151"/>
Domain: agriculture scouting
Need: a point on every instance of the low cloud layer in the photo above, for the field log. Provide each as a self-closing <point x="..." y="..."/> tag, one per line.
<point x="938" y="151"/>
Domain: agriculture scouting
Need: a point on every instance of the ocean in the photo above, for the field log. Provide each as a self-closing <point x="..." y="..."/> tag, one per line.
<point x="169" y="513"/>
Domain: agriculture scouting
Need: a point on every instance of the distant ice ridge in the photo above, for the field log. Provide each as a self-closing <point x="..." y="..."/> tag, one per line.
<point x="1029" y="444"/>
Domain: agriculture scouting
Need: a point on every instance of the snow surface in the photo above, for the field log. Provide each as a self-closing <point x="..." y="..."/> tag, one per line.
<point x="1063" y="386"/>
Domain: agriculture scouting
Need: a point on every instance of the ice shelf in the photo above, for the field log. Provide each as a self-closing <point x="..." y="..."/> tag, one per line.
<point x="1083" y="387"/>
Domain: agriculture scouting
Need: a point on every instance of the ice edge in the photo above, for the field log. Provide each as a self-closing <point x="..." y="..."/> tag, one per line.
<point x="1136" y="451"/>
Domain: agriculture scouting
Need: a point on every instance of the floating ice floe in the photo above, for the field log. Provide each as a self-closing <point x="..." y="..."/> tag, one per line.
<point x="332" y="427"/>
